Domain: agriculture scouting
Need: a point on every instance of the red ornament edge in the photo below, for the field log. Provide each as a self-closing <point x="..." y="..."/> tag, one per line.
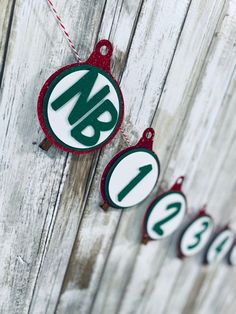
<point x="144" y="142"/>
<point x="91" y="61"/>
<point x="214" y="236"/>
<point x="174" y="188"/>
<point x="201" y="212"/>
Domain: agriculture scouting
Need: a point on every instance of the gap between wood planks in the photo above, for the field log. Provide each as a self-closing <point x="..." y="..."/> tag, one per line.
<point x="119" y="79"/>
<point x="154" y="114"/>
<point x="52" y="220"/>
<point x="57" y="201"/>
<point x="188" y="111"/>
<point x="218" y="26"/>
<point x="8" y="33"/>
<point x="58" y="196"/>
<point x="108" y="255"/>
<point x="207" y="51"/>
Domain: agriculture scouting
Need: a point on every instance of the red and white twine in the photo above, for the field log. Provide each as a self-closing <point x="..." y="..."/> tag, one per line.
<point x="63" y="28"/>
<point x="72" y="46"/>
<point x="125" y="137"/>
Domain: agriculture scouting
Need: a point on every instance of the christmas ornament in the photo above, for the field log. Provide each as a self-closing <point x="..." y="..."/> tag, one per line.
<point x="196" y="235"/>
<point x="232" y="255"/>
<point x="80" y="107"/>
<point x="131" y="175"/>
<point x="219" y="246"/>
<point x="165" y="213"/>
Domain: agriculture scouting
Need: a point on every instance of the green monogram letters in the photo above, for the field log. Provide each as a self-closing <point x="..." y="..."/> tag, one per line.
<point x="93" y="107"/>
<point x="98" y="126"/>
<point x="93" y="94"/>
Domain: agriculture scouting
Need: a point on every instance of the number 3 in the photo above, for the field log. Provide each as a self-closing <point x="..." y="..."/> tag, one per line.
<point x="195" y="235"/>
<point x="198" y="235"/>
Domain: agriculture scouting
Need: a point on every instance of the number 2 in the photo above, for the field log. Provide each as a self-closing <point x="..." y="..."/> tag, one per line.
<point x="157" y="227"/>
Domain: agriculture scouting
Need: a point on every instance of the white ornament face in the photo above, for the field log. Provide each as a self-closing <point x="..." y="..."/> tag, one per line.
<point x="232" y="256"/>
<point x="196" y="235"/>
<point x="165" y="215"/>
<point x="132" y="177"/>
<point x="219" y="247"/>
<point x="82" y="108"/>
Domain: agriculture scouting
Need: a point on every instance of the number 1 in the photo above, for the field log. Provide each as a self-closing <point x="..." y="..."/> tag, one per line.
<point x="143" y="171"/>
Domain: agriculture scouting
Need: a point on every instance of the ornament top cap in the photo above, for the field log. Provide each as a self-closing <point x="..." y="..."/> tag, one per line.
<point x="101" y="56"/>
<point x="178" y="184"/>
<point x="202" y="210"/>
<point x="146" y="140"/>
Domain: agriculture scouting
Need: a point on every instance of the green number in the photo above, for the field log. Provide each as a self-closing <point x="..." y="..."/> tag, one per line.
<point x="158" y="226"/>
<point x="198" y="235"/>
<point x="220" y="246"/>
<point x="143" y="171"/>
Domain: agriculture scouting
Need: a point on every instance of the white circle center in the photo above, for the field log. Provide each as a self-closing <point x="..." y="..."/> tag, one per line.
<point x="224" y="240"/>
<point x="190" y="243"/>
<point x="58" y="119"/>
<point x="126" y="171"/>
<point x="160" y="214"/>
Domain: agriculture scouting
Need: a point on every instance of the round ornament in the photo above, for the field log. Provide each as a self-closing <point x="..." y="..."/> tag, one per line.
<point x="132" y="174"/>
<point x="80" y="107"/>
<point x="165" y="213"/>
<point x="196" y="235"/>
<point x="219" y="246"/>
<point x="232" y="255"/>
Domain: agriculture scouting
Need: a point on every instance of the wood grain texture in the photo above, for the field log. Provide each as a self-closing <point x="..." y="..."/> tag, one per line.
<point x="60" y="253"/>
<point x="6" y="14"/>
<point x="134" y="94"/>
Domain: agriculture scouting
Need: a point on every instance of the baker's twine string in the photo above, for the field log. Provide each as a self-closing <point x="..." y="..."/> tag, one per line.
<point x="63" y="28"/>
<point x="125" y="137"/>
<point x="72" y="46"/>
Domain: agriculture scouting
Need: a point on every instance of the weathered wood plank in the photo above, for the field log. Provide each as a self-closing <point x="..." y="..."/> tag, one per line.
<point x="65" y="230"/>
<point x="6" y="14"/>
<point x="121" y="268"/>
<point x="174" y="102"/>
<point x="220" y="77"/>
<point x="29" y="179"/>
<point x="36" y="179"/>
<point x="224" y="137"/>
<point x="198" y="287"/>
<point x="215" y="205"/>
<point x="59" y="251"/>
<point x="203" y="296"/>
<point x="211" y="166"/>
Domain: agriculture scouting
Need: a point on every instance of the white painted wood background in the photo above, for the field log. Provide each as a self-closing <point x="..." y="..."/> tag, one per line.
<point x="59" y="252"/>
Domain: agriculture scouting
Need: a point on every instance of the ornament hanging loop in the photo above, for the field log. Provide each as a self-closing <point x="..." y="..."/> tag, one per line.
<point x="178" y="184"/>
<point x="101" y="57"/>
<point x="149" y="134"/>
<point x="202" y="211"/>
<point x="146" y="140"/>
<point x="104" y="47"/>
